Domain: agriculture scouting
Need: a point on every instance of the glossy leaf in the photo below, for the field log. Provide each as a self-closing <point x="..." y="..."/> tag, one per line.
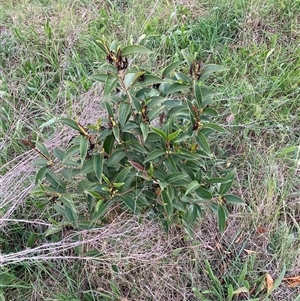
<point x="221" y="218"/>
<point x="231" y="199"/>
<point x="110" y="83"/>
<point x="198" y="94"/>
<point x="177" y="87"/>
<point x="171" y="67"/>
<point x="108" y="108"/>
<point x="84" y="143"/>
<point x="69" y="122"/>
<point x="159" y="132"/>
<point x="99" y="77"/>
<point x="145" y="130"/>
<point x="149" y="79"/>
<point x="98" y="166"/>
<point x="210" y="69"/>
<point x="40" y="174"/>
<point x="130" y="78"/>
<point x="187" y="56"/>
<point x="174" y="135"/>
<point x="192" y="187"/>
<point x="203" y="193"/>
<point x="42" y="148"/>
<point x="154" y="155"/>
<point x="167" y="203"/>
<point x="215" y="127"/>
<point x="202" y="142"/>
<point x="108" y="144"/>
<point x="178" y="176"/>
<point x="70" y="209"/>
<point x="134" y="49"/>
<point x="55" y="181"/>
<point x="59" y="154"/>
<point x="154" y="112"/>
<point x="224" y="188"/>
<point x="124" y="113"/>
<point x="115" y="158"/>
<point x="130" y="203"/>
<point x="116" y="132"/>
<point x="218" y="180"/>
<point x="136" y="103"/>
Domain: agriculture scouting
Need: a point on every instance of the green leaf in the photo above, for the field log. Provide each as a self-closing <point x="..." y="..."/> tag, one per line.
<point x="198" y="94"/>
<point x="130" y="203"/>
<point x="187" y="56"/>
<point x="177" y="87"/>
<point x="192" y="187"/>
<point x="218" y="180"/>
<point x="170" y="68"/>
<point x="98" y="166"/>
<point x="167" y="202"/>
<point x="210" y="112"/>
<point x="210" y="69"/>
<point x="214" y="127"/>
<point x="73" y="150"/>
<point x="55" y="181"/>
<point x="116" y="132"/>
<point x="87" y="167"/>
<point x="69" y="122"/>
<point x="42" y="148"/>
<point x="84" y="144"/>
<point x="137" y="147"/>
<point x="99" y="77"/>
<point x="135" y="102"/>
<point x="40" y="162"/>
<point x="70" y="209"/>
<point x="154" y="112"/>
<point x="174" y="135"/>
<point x="204" y="193"/>
<point x="102" y="210"/>
<point x="191" y="215"/>
<point x="134" y="49"/>
<point x="159" y="132"/>
<point x="221" y="218"/>
<point x="40" y="174"/>
<point x="109" y="109"/>
<point x="149" y="79"/>
<point x="154" y="155"/>
<point x="108" y="144"/>
<point x="122" y="175"/>
<point x="155" y="101"/>
<point x="124" y="113"/>
<point x="115" y="158"/>
<point x="231" y="199"/>
<point x="110" y="83"/>
<point x="177" y="176"/>
<point x="202" y="142"/>
<point x="145" y="129"/>
<point x="59" y="154"/>
<point x="130" y="78"/>
<point x="224" y="188"/>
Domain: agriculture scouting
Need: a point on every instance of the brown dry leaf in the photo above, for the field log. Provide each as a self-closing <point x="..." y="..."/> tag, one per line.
<point x="292" y="281"/>
<point x="269" y="282"/>
<point x="230" y="118"/>
<point x="261" y="230"/>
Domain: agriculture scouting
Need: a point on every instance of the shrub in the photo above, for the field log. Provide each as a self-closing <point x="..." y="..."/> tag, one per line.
<point x="151" y="156"/>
